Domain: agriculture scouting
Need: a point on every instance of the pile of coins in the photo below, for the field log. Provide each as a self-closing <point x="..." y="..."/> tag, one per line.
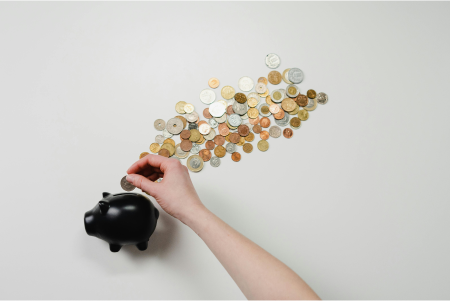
<point x="236" y="119"/>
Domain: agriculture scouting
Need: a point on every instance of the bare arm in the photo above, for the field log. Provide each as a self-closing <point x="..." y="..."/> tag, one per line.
<point x="258" y="274"/>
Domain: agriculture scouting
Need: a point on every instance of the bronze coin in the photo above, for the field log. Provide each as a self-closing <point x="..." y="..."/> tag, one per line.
<point x="183" y="120"/>
<point x="240" y="97"/>
<point x="250" y="137"/>
<point x="220" y="151"/>
<point x="223" y="129"/>
<point x="301" y="100"/>
<point x="210" y="144"/>
<point x="257" y="129"/>
<point x="288" y="133"/>
<point x="243" y="130"/>
<point x="295" y="122"/>
<point x="235" y="138"/>
<point x="185" y="134"/>
<point x="247" y="147"/>
<point x="253" y="121"/>
<point x="164" y="152"/>
<point x="186" y="145"/>
<point x="219" y="140"/>
<point x="311" y="94"/>
<point x="205" y="154"/>
<point x="274" y="77"/>
<point x="262" y="80"/>
<point x="230" y="110"/>
<point x="236" y="157"/>
<point x="206" y="113"/>
<point x="142" y="155"/>
<point x="265" y="122"/>
<point x="279" y="115"/>
<point x="264" y="135"/>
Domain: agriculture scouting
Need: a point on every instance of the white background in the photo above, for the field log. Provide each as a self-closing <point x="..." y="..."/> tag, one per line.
<point x="357" y="202"/>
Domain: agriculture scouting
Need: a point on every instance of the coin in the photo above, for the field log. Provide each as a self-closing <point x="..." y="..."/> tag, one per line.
<point x="195" y="149"/>
<point x="311" y="93"/>
<point x="193" y="126"/>
<point x="288" y="133"/>
<point x="169" y="147"/>
<point x="312" y="105"/>
<point x="195" y="135"/>
<point x="194" y="163"/>
<point x="182" y="120"/>
<point x="295" y="75"/>
<point x="236" y="157"/>
<point x="215" y="161"/>
<point x="235" y="137"/>
<point x="205" y="154"/>
<point x="301" y="100"/>
<point x="179" y="152"/>
<point x="207" y="96"/>
<point x="164" y="152"/>
<point x="260" y="88"/>
<point x="262" y="80"/>
<point x="230" y="110"/>
<point x="284" y="76"/>
<point x="185" y="134"/>
<point x="252" y="102"/>
<point x="279" y="115"/>
<point x="186" y="145"/>
<point x="143" y="154"/>
<point x="275" y="131"/>
<point x="227" y="92"/>
<point x="274" y="77"/>
<point x="265" y="93"/>
<point x="210" y="135"/>
<point x="210" y="144"/>
<point x="263" y="145"/>
<point x="220" y="151"/>
<point x="295" y="122"/>
<point x="240" y="97"/>
<point x="240" y="108"/>
<point x="277" y="96"/>
<point x="192" y="117"/>
<point x="189" y="108"/>
<point x="265" y="122"/>
<point x="179" y="107"/>
<point x="295" y="111"/>
<point x="154" y="148"/>
<point x="219" y="140"/>
<point x="213" y="82"/>
<point x="227" y="137"/>
<point x="174" y="126"/>
<point x="235" y="120"/>
<point x="322" y="98"/>
<point x="245" y="83"/>
<point x="230" y="147"/>
<point x="272" y="61"/>
<point x="264" y="110"/>
<point x="254" y="121"/>
<point x="243" y="130"/>
<point x="224" y="129"/>
<point x="274" y="109"/>
<point x="159" y="124"/>
<point x="269" y="100"/>
<point x="160" y="139"/>
<point x="170" y="141"/>
<point x="257" y="129"/>
<point x="221" y="119"/>
<point x="127" y="186"/>
<point x="254" y="95"/>
<point x="213" y="123"/>
<point x="264" y="135"/>
<point x="292" y="91"/>
<point x="288" y="104"/>
<point x="252" y="112"/>
<point x="247" y="148"/>
<point x="206" y="113"/>
<point x="283" y="121"/>
<point x="250" y="137"/>
<point x="204" y="129"/>
<point x="216" y="109"/>
<point x="303" y="115"/>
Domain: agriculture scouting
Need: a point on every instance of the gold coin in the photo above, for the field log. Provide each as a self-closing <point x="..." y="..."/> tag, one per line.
<point x="241" y="141"/>
<point x="312" y="107"/>
<point x="213" y="82"/>
<point x="249" y="137"/>
<point x="274" y="77"/>
<point x="194" y="163"/>
<point x="220" y="151"/>
<point x="195" y="135"/>
<point x="247" y="148"/>
<point x="277" y="96"/>
<point x="142" y="155"/>
<point x="230" y="126"/>
<point x="288" y="104"/>
<point x="295" y="122"/>
<point x="311" y="93"/>
<point x="262" y="80"/>
<point x="189" y="108"/>
<point x="252" y="102"/>
<point x="179" y="107"/>
<point x="154" y="148"/>
<point x="265" y="110"/>
<point x="252" y="112"/>
<point x="265" y="93"/>
<point x="169" y="147"/>
<point x="269" y="100"/>
<point x="227" y="92"/>
<point x="292" y="90"/>
<point x="201" y="140"/>
<point x="263" y="145"/>
<point x="303" y="115"/>
<point x="183" y="120"/>
<point x="227" y="137"/>
<point x="285" y="76"/>
<point x="295" y="111"/>
<point x="168" y="140"/>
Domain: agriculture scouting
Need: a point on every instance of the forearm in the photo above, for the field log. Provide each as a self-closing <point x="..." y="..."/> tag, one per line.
<point x="258" y="274"/>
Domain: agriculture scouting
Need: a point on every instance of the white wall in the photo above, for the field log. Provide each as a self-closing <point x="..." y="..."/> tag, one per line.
<point x="357" y="203"/>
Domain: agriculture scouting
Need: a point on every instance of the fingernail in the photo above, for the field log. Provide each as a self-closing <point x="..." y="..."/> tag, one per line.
<point x="130" y="178"/>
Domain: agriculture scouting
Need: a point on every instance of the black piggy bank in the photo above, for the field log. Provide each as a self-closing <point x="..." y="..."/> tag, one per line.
<point x="122" y="219"/>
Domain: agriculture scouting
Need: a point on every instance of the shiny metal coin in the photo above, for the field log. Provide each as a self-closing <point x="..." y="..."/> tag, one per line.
<point x="191" y="117"/>
<point x="231" y="147"/>
<point x="244" y="117"/>
<point x="295" y="75"/>
<point x="312" y="105"/>
<point x="264" y="111"/>
<point x="260" y="88"/>
<point x="213" y="123"/>
<point x="221" y="119"/>
<point x="240" y="108"/>
<point x="194" y="163"/>
<point x="207" y="96"/>
<point x="160" y="139"/>
<point x="204" y="128"/>
<point x="167" y="134"/>
<point x="274" y="131"/>
<point x="214" y="161"/>
<point x="234" y="120"/>
<point x="180" y="153"/>
<point x="277" y="96"/>
<point x="273" y="61"/>
<point x="217" y="109"/>
<point x="322" y="98"/>
<point x="127" y="186"/>
<point x="210" y="135"/>
<point x="254" y="95"/>
<point x="283" y="121"/>
<point x="195" y="149"/>
<point x="193" y="126"/>
<point x="245" y="83"/>
<point x="174" y="126"/>
<point x="292" y="91"/>
<point x="159" y="124"/>
<point x="188" y="108"/>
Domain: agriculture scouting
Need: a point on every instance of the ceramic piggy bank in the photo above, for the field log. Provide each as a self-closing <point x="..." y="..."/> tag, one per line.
<point x="122" y="219"/>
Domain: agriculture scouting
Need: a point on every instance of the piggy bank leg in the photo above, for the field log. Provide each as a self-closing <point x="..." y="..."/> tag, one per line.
<point x="142" y="246"/>
<point x="114" y="247"/>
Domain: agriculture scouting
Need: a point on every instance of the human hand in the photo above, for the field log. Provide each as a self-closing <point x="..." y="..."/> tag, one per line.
<point x="175" y="193"/>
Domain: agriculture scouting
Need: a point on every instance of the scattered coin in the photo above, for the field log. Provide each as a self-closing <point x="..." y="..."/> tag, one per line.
<point x="213" y="82"/>
<point x="142" y="155"/>
<point x="219" y="140"/>
<point x="195" y="149"/>
<point x="260" y="88"/>
<point x="185" y="134"/>
<point x="279" y="115"/>
<point x="264" y="135"/>
<point x="194" y="163"/>
<point x="235" y="120"/>
<point x="254" y="121"/>
<point x="301" y="100"/>
<point x="295" y="122"/>
<point x="215" y="161"/>
<point x="250" y="137"/>
<point x="295" y="75"/>
<point x="189" y="108"/>
<point x="252" y="102"/>
<point x="210" y="144"/>
<point x="288" y="104"/>
<point x="179" y="152"/>
<point x="154" y="147"/>
<point x="179" y="107"/>
<point x="170" y="141"/>
<point x="159" y="124"/>
<point x="205" y="154"/>
<point x="284" y="121"/>
<point x="322" y="98"/>
<point x="311" y="93"/>
<point x="274" y="109"/>
<point x="288" y="133"/>
<point x="273" y="61"/>
<point x="220" y="151"/>
<point x="253" y="112"/>
<point x="243" y="130"/>
<point x="292" y="91"/>
<point x="204" y="129"/>
<point x="193" y="126"/>
<point x="269" y="100"/>
<point x="236" y="157"/>
<point x="160" y="139"/>
<point x="312" y="105"/>
<point x="206" y="113"/>
<point x="275" y="131"/>
<point x="195" y="135"/>
<point x="245" y="83"/>
<point x="210" y="135"/>
<point x="274" y="77"/>
<point x="257" y="129"/>
<point x="277" y="96"/>
<point x="182" y="120"/>
<point x="186" y="145"/>
<point x="263" y="80"/>
<point x="264" y="110"/>
<point x="164" y="152"/>
<point x="284" y="76"/>
<point x="247" y="148"/>
<point x="228" y="92"/>
<point x="174" y="126"/>
<point x="213" y="123"/>
<point x="303" y="115"/>
<point x="230" y="147"/>
<point x="263" y="145"/>
<point x="207" y="96"/>
<point x="264" y="122"/>
<point x="234" y="138"/>
<point x="127" y="186"/>
<point x="169" y="147"/>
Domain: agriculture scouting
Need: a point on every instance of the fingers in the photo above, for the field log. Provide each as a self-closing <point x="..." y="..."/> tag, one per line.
<point x="145" y="184"/>
<point x="158" y="163"/>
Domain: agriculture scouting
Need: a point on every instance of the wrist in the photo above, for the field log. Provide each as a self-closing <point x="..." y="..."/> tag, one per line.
<point x="195" y="215"/>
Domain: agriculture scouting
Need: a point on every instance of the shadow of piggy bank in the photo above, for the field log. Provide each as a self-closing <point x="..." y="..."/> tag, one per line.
<point x="122" y="219"/>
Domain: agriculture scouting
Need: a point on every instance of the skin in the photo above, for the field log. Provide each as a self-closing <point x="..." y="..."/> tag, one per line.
<point x="257" y="273"/>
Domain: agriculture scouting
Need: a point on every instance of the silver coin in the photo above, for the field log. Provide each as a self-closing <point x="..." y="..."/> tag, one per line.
<point x="311" y="103"/>
<point x="322" y="98"/>
<point x="277" y="98"/>
<point x="230" y="147"/>
<point x="159" y="180"/>
<point x="234" y="120"/>
<point x="127" y="186"/>
<point x="216" y="109"/>
<point x="160" y="124"/>
<point x="195" y="149"/>
<point x="214" y="161"/>
<point x="221" y="119"/>
<point x="211" y="135"/>
<point x="193" y="126"/>
<point x="174" y="126"/>
<point x="295" y="75"/>
<point x="180" y="153"/>
<point x="296" y="91"/>
<point x="224" y="103"/>
<point x="274" y="131"/>
<point x="195" y="162"/>
<point x="191" y="117"/>
<point x="167" y="134"/>
<point x="244" y="117"/>
<point x="207" y="96"/>
<point x="260" y="88"/>
<point x="245" y="83"/>
<point x="204" y="128"/>
<point x="254" y="95"/>
<point x="213" y="123"/>
<point x="283" y="121"/>
<point x="260" y="107"/>
<point x="273" y="61"/>
<point x="240" y="108"/>
<point x="160" y="139"/>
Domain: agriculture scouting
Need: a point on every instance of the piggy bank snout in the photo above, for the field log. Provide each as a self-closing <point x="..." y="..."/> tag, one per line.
<point x="89" y="223"/>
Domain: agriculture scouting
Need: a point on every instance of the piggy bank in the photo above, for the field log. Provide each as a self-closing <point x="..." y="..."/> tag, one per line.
<point x="122" y="219"/>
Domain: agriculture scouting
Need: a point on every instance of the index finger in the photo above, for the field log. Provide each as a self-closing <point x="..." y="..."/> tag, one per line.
<point x="150" y="160"/>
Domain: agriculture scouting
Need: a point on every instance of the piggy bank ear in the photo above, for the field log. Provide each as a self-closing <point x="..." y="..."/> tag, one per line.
<point x="106" y="194"/>
<point x="104" y="206"/>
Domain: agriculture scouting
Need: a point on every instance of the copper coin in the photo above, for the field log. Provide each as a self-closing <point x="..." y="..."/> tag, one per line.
<point x="274" y="77"/>
<point x="253" y="121"/>
<point x="185" y="134"/>
<point x="264" y="135"/>
<point x="274" y="109"/>
<point x="295" y="122"/>
<point x="220" y="151"/>
<point x="288" y="133"/>
<point x="230" y="110"/>
<point x="240" y="97"/>
<point x="236" y="157"/>
<point x="213" y="83"/>
<point x="142" y="155"/>
<point x="223" y="129"/>
<point x="262" y="80"/>
<point x="257" y="129"/>
<point x="210" y="145"/>
<point x="311" y="94"/>
<point x="250" y="137"/>
<point x="219" y="140"/>
<point x="164" y="152"/>
<point x="183" y="120"/>
<point x="206" y="113"/>
<point x="247" y="147"/>
<point x="235" y="138"/>
<point x="205" y="154"/>
<point x="279" y="115"/>
<point x="265" y="122"/>
<point x="186" y="145"/>
<point x="243" y="130"/>
<point x="301" y="100"/>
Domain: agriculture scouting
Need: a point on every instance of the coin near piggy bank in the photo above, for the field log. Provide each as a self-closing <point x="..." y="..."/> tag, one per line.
<point x="122" y="219"/>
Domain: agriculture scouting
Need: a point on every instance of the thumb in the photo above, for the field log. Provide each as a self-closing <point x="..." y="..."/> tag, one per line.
<point x="144" y="184"/>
